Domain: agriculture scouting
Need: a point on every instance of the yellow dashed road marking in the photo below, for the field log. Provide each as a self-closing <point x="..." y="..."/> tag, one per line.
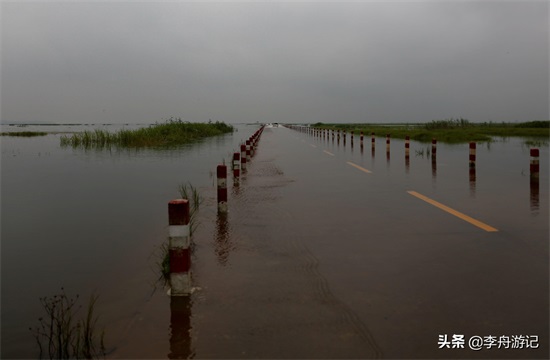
<point x="458" y="214"/>
<point x="359" y="167"/>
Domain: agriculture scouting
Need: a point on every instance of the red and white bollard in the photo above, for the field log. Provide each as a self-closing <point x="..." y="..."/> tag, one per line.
<point x="252" y="145"/>
<point x="387" y="142"/>
<point x="247" y="150"/>
<point x="534" y="193"/>
<point x="472" y="154"/>
<point x="222" y="188"/>
<point x="373" y="141"/>
<point x="236" y="167"/>
<point x="361" y="138"/>
<point x="534" y="164"/>
<point x="178" y="247"/>
<point x="243" y="157"/>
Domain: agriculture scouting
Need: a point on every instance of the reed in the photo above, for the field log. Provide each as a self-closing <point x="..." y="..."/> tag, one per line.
<point x="173" y="132"/>
<point x="61" y="336"/>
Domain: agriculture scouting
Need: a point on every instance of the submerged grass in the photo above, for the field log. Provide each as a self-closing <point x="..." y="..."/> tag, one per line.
<point x="173" y="132"/>
<point x="61" y="336"/>
<point x="449" y="130"/>
<point x="536" y="143"/>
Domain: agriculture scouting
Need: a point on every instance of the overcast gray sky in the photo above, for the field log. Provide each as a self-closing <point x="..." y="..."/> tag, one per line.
<point x="362" y="61"/>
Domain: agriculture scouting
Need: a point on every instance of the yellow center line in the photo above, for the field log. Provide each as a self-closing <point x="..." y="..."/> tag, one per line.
<point x="359" y="167"/>
<point x="458" y="214"/>
<point x="313" y="145"/>
<point x="328" y="152"/>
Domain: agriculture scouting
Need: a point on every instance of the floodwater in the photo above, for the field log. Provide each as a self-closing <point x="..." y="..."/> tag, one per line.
<point x="315" y="259"/>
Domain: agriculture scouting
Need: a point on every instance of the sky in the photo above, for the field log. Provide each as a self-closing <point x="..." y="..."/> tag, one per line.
<point x="294" y="62"/>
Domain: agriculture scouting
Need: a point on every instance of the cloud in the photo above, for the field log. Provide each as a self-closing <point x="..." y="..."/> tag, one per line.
<point x="345" y="62"/>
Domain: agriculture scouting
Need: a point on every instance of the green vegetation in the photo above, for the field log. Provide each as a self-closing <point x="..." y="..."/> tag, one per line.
<point x="189" y="192"/>
<point x="60" y="336"/>
<point x="449" y="130"/>
<point x="172" y="133"/>
<point x="24" y="133"/>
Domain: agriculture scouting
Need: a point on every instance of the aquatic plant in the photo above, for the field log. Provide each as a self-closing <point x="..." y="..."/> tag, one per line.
<point x="448" y="124"/>
<point x="171" y="133"/>
<point x="536" y="143"/>
<point x="189" y="192"/>
<point x="420" y="152"/>
<point x="60" y="336"/>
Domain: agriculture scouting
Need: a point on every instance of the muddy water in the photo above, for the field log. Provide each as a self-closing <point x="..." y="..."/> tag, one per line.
<point x="92" y="221"/>
<point x="315" y="258"/>
<point x="319" y="260"/>
<point x="267" y="296"/>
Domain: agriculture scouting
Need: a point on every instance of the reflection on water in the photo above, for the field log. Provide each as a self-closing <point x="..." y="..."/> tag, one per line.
<point x="224" y="245"/>
<point x="407" y="162"/>
<point x="297" y="274"/>
<point x="534" y="195"/>
<point x="434" y="166"/>
<point x="472" y="178"/>
<point x="236" y="189"/>
<point x="181" y="346"/>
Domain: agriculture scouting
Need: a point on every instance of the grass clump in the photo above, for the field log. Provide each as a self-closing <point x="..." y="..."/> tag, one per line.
<point x="24" y="133"/>
<point x="60" y="336"/>
<point x="534" y="125"/>
<point x="448" y="124"/>
<point x="171" y="133"/>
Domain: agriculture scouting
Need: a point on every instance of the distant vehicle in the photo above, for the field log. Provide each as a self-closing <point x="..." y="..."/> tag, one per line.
<point x="275" y="124"/>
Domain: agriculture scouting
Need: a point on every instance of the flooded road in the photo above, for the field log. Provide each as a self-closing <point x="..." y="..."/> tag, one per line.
<point x="321" y="260"/>
<point x="324" y="252"/>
